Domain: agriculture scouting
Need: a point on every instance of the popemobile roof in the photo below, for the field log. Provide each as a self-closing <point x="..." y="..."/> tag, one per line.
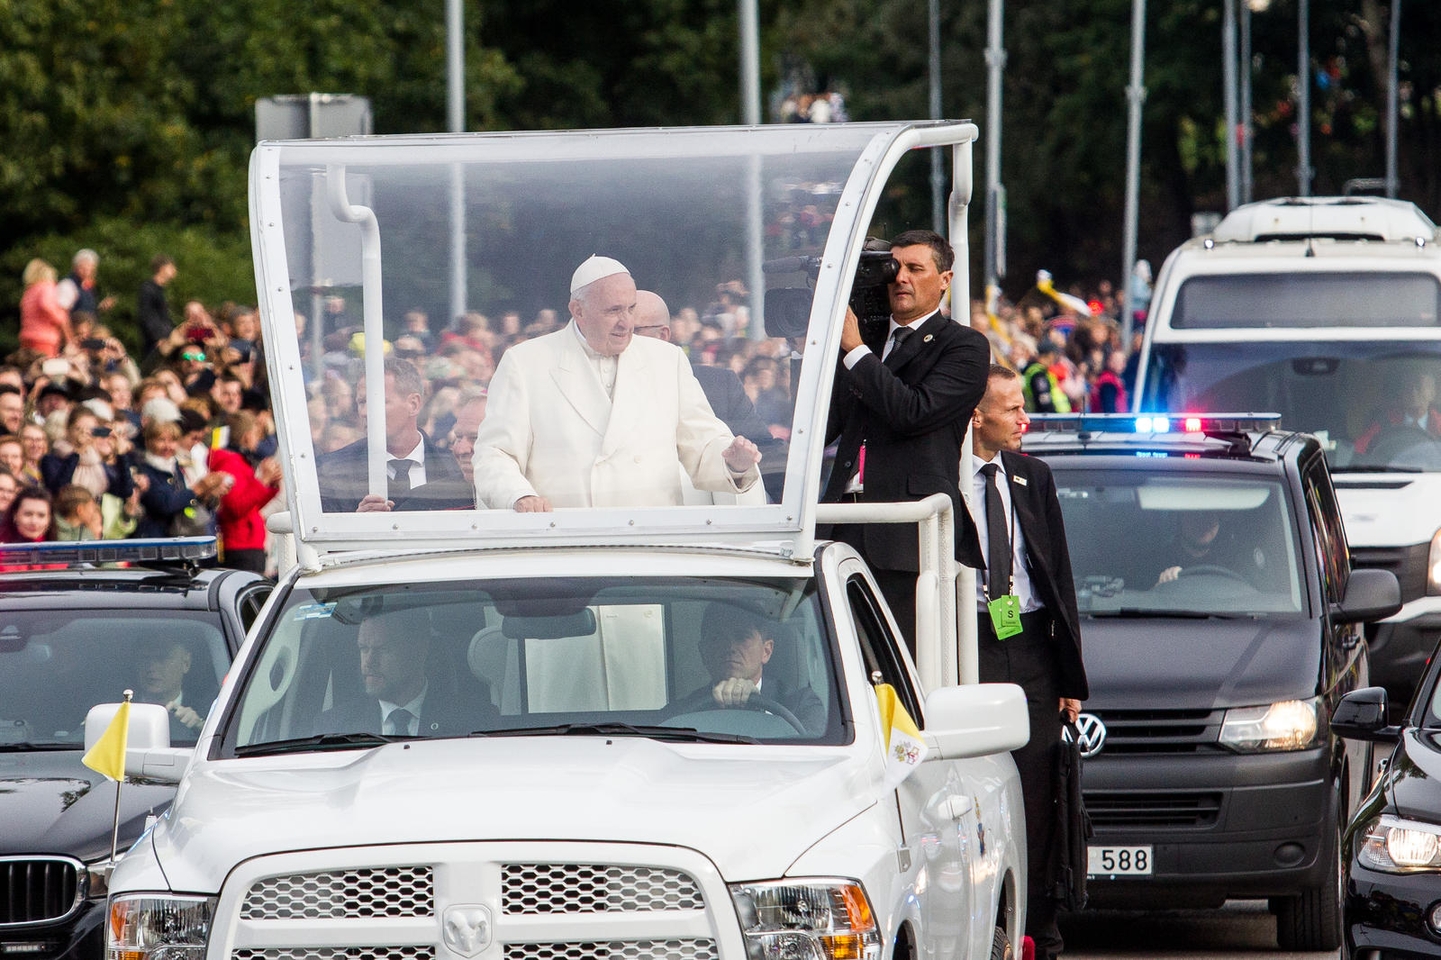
<point x="450" y="252"/>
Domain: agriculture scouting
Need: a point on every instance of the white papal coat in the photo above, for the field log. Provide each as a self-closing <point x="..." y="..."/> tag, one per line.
<point x="551" y="431"/>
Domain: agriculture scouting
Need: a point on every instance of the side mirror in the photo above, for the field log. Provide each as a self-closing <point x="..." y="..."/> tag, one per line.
<point x="975" y="720"/>
<point x="1361" y="715"/>
<point x="148" y="753"/>
<point x="1370" y="595"/>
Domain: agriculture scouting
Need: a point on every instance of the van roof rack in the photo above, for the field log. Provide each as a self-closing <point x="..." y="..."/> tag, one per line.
<point x="1377" y="219"/>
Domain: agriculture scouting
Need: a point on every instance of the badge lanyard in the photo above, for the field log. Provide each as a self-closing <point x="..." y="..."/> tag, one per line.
<point x="1005" y="610"/>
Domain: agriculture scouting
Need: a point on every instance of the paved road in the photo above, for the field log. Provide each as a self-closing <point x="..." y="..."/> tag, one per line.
<point x="1243" y="929"/>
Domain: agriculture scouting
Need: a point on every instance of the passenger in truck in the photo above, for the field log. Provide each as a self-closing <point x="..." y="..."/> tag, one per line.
<point x="1413" y="412"/>
<point x="403" y="696"/>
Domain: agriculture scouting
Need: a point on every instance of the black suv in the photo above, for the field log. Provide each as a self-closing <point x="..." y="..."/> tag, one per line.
<point x="75" y="633"/>
<point x="1221" y="622"/>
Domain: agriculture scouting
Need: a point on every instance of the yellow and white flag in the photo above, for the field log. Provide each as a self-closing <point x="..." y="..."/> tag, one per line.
<point x="905" y="748"/>
<point x="108" y="754"/>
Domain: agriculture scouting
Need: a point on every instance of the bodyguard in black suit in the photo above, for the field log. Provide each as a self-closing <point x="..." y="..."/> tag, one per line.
<point x="437" y="485"/>
<point x="1024" y="539"/>
<point x="901" y="405"/>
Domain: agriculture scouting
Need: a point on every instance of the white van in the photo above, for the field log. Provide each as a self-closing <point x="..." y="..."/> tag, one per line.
<point x="1326" y="310"/>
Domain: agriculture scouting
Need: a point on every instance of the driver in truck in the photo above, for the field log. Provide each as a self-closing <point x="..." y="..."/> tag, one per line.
<point x="1414" y="409"/>
<point x="736" y="645"/>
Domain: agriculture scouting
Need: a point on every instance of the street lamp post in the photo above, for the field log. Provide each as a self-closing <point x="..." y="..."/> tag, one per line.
<point x="1303" y="100"/>
<point x="1392" y="114"/>
<point x="1228" y="79"/>
<point x="1135" y="96"/>
<point x="995" y="69"/>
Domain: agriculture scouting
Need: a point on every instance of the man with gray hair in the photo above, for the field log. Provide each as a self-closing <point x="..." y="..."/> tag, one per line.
<point x="593" y="416"/>
<point x="78" y="292"/>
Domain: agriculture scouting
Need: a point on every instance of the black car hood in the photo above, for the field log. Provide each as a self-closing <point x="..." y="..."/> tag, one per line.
<point x="1414" y="780"/>
<point x="1155" y="663"/>
<point x="52" y="803"/>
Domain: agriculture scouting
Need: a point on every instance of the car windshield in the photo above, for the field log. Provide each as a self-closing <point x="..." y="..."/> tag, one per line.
<point x="56" y="665"/>
<point x="1373" y="404"/>
<point x="567" y="657"/>
<point x="1179" y="545"/>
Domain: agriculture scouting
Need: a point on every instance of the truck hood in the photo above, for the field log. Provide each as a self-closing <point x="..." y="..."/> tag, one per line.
<point x="751" y="810"/>
<point x="51" y="803"/>
<point x="1389" y="509"/>
<point x="1173" y="664"/>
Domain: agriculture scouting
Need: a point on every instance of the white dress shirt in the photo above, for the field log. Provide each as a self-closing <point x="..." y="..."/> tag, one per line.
<point x="1020" y="573"/>
<point x="604" y="365"/>
<point x="854" y="357"/>
<point x="417" y="460"/>
<point x="412" y="728"/>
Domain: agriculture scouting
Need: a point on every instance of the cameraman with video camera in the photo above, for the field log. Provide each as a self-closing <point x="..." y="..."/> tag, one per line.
<point x="903" y="398"/>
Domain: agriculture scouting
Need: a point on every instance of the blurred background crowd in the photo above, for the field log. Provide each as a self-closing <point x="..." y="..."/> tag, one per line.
<point x="177" y="437"/>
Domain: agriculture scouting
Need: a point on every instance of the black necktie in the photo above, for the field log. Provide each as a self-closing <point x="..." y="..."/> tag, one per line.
<point x="998" y="539"/>
<point x="400" y="483"/>
<point x="898" y="338"/>
<point x="399" y="722"/>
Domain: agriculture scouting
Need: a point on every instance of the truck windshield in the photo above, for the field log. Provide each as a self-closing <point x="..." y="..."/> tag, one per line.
<point x="1270" y="300"/>
<point x="1374" y="404"/>
<point x="56" y="665"/>
<point x="1145" y="544"/>
<point x="353" y="667"/>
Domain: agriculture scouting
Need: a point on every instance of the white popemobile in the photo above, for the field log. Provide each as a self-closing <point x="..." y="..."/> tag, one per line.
<point x="483" y="733"/>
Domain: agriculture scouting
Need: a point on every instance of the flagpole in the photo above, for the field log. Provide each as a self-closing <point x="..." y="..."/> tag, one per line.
<point x="115" y="822"/>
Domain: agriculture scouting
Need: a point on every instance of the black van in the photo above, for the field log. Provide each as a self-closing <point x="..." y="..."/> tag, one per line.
<point x="1221" y="623"/>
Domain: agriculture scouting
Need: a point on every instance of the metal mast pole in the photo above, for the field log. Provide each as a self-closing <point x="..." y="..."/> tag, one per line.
<point x="1135" y="97"/>
<point x="1228" y="75"/>
<point x="995" y="72"/>
<point x="1303" y="100"/>
<point x="1247" y="172"/>
<point x="750" y="84"/>
<point x="1392" y="113"/>
<point x="455" y="116"/>
<point x="938" y="176"/>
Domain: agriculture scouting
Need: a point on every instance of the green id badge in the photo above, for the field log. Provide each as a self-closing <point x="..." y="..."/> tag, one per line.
<point x="1005" y="615"/>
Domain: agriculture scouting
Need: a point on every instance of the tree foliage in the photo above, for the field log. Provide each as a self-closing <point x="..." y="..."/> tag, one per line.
<point x="126" y="125"/>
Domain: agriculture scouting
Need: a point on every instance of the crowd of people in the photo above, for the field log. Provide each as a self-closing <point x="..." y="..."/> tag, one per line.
<point x="179" y="438"/>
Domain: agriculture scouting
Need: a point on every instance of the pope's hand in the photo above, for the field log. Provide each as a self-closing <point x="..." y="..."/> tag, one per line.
<point x="733" y="692"/>
<point x="532" y="504"/>
<point x="741" y="455"/>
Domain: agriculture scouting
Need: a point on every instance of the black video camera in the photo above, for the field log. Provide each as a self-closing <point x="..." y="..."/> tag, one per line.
<point x="788" y="309"/>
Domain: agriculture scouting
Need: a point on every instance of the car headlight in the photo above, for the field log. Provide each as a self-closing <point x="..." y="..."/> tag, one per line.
<point x="1394" y="845"/>
<point x="158" y="927"/>
<point x="806" y="920"/>
<point x="1288" y="725"/>
<point x="1433" y="565"/>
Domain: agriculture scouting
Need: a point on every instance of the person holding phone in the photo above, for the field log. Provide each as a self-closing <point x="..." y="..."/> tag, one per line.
<point x="80" y="460"/>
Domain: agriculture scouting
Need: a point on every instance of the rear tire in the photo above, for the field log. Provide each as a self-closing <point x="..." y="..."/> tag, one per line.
<point x="1312" y="921"/>
<point x="1001" y="946"/>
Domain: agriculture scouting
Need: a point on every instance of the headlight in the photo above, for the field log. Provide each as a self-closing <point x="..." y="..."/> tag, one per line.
<point x="158" y="927"/>
<point x="1288" y="725"/>
<point x="1394" y="845"/>
<point x="806" y="920"/>
<point x="1433" y="565"/>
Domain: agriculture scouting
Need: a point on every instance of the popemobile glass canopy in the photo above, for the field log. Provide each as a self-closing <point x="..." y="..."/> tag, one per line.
<point x="437" y="272"/>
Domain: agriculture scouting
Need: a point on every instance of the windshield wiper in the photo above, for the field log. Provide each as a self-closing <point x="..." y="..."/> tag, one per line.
<point x="674" y="734"/>
<point x="1136" y="613"/>
<point x="1376" y="468"/>
<point x="38" y="746"/>
<point x="324" y="741"/>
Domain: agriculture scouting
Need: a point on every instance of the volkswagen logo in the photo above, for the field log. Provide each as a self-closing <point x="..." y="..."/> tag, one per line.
<point x="1093" y="734"/>
<point x="467" y="928"/>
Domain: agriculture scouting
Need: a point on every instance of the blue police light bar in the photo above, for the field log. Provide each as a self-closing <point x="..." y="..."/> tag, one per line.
<point x="1154" y="423"/>
<point x="159" y="549"/>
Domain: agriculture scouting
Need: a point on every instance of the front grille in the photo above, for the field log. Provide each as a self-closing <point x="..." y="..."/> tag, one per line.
<point x="1160" y="731"/>
<point x="38" y="889"/>
<point x="336" y="953"/>
<point x="387" y="892"/>
<point x="1407" y="563"/>
<point x="542" y="888"/>
<point x="1153" y="809"/>
<point x="614" y="950"/>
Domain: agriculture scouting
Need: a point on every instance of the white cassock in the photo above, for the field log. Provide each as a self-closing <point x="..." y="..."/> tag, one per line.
<point x="550" y="430"/>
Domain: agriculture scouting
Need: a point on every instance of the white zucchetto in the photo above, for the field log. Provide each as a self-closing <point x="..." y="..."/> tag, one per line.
<point x="594" y="269"/>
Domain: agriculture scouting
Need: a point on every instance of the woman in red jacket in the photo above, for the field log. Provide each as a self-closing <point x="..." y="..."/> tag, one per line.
<point x="242" y="528"/>
<point x="44" y="324"/>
